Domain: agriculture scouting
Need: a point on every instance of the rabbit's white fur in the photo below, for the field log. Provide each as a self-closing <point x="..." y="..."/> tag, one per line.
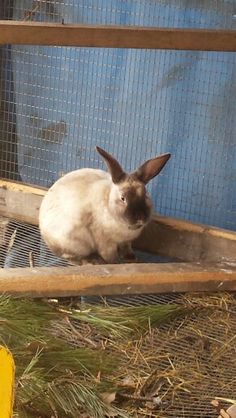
<point x="90" y="212"/>
<point x="78" y="214"/>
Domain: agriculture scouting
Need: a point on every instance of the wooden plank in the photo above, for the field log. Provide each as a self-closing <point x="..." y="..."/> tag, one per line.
<point x="183" y="240"/>
<point x="44" y="33"/>
<point x="20" y="201"/>
<point x="4" y="223"/>
<point x="122" y="279"/>
<point x="170" y="237"/>
<point x="3" y="227"/>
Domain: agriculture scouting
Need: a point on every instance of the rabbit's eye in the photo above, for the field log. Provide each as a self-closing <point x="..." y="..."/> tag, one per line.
<point x="123" y="199"/>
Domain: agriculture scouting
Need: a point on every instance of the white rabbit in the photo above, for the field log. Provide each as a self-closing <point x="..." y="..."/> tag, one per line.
<point x="92" y="216"/>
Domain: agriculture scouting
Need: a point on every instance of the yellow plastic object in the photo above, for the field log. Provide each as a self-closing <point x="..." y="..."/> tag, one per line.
<point x="7" y="374"/>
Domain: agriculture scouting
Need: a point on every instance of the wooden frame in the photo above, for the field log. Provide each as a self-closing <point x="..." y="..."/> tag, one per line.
<point x="122" y="279"/>
<point x="39" y="33"/>
<point x="209" y="256"/>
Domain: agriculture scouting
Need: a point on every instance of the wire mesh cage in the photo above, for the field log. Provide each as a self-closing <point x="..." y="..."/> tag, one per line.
<point x="58" y="103"/>
<point x="62" y="101"/>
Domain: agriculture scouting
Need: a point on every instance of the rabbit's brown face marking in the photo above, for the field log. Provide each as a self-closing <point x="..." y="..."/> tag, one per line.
<point x="137" y="204"/>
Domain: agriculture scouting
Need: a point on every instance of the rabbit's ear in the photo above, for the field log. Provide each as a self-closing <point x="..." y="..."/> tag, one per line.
<point x="151" y="168"/>
<point x="116" y="171"/>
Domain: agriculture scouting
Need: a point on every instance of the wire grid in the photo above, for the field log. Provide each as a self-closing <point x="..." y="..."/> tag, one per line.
<point x="60" y="113"/>
<point x="180" y="13"/>
<point x="21" y="246"/>
<point x="58" y="103"/>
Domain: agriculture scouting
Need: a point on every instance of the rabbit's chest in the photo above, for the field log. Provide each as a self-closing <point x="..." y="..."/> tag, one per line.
<point x="117" y="232"/>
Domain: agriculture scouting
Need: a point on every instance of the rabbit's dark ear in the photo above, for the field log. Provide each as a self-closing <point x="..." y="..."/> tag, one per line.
<point x="117" y="172"/>
<point x="151" y="168"/>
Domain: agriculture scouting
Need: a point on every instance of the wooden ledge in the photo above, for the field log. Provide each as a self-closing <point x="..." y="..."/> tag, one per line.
<point x="187" y="241"/>
<point x="44" y="33"/>
<point x="169" y="237"/>
<point x="122" y="279"/>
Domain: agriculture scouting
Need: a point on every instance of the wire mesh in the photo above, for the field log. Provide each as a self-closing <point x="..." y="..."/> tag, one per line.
<point x="182" y="13"/>
<point x="21" y="246"/>
<point x="58" y="103"/>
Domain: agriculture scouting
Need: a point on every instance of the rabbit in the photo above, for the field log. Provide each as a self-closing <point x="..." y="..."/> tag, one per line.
<point x="92" y="216"/>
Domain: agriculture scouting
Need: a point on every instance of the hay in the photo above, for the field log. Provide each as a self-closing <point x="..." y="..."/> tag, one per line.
<point x="178" y="369"/>
<point x="141" y="370"/>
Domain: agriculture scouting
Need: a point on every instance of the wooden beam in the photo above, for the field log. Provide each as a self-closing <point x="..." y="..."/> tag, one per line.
<point x="170" y="237"/>
<point x="20" y="201"/>
<point x="3" y="226"/>
<point x="44" y="33"/>
<point x="119" y="279"/>
<point x="183" y="240"/>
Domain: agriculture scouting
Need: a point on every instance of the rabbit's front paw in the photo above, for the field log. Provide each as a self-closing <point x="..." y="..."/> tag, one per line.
<point x="109" y="253"/>
<point x="126" y="253"/>
<point x="92" y="259"/>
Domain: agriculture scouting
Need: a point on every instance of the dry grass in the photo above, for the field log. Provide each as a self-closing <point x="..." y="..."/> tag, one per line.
<point x="175" y="370"/>
<point x="158" y="361"/>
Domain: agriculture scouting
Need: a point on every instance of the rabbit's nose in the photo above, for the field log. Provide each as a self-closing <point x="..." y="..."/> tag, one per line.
<point x="139" y="223"/>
